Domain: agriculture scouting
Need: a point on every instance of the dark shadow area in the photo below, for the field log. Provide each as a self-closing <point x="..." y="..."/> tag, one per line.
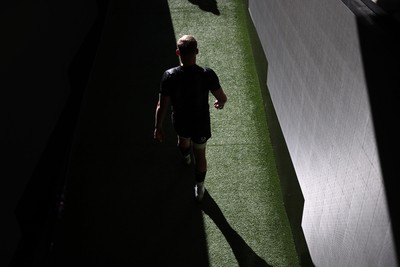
<point x="207" y="5"/>
<point x="128" y="200"/>
<point x="102" y="193"/>
<point x="36" y="211"/>
<point x="379" y="36"/>
<point x="292" y="195"/>
<point x="389" y="8"/>
<point x="245" y="256"/>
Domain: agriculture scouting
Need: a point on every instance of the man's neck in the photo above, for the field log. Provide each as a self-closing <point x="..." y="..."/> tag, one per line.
<point x="187" y="65"/>
<point x="188" y="62"/>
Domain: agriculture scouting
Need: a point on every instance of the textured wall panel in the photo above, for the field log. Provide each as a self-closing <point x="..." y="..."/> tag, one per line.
<point x="318" y="88"/>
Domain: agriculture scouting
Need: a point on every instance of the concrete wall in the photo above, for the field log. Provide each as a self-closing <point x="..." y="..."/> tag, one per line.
<point x="316" y="79"/>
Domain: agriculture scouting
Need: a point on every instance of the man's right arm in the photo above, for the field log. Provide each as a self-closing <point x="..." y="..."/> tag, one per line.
<point x="161" y="111"/>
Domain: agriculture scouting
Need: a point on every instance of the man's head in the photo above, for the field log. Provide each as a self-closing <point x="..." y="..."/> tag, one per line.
<point x="187" y="49"/>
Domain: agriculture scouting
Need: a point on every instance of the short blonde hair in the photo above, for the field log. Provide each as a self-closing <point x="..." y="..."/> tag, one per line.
<point x="187" y="44"/>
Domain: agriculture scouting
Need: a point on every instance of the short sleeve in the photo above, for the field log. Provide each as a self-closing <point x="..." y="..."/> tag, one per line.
<point x="165" y="84"/>
<point x="212" y="80"/>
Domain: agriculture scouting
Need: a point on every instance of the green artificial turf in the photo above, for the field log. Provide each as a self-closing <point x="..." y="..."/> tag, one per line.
<point x="242" y="178"/>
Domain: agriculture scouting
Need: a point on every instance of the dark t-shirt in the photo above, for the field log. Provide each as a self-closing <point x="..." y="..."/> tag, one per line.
<point x="189" y="89"/>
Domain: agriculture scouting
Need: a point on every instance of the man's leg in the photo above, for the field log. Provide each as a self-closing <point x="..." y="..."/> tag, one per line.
<point x="199" y="151"/>
<point x="184" y="145"/>
<point x="201" y="162"/>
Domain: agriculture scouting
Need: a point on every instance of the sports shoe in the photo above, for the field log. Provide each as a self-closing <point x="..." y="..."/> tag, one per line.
<point x="199" y="191"/>
<point x="187" y="159"/>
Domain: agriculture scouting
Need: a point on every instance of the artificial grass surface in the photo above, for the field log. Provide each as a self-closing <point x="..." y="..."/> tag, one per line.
<point x="242" y="177"/>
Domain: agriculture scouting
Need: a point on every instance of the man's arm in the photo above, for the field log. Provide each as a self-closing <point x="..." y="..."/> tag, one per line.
<point x="221" y="98"/>
<point x="161" y="111"/>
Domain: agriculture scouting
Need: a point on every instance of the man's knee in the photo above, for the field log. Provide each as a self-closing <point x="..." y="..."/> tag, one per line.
<point x="183" y="142"/>
<point x="199" y="143"/>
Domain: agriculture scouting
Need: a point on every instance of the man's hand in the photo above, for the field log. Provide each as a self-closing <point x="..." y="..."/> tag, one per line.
<point x="218" y="105"/>
<point x="221" y="98"/>
<point x="159" y="135"/>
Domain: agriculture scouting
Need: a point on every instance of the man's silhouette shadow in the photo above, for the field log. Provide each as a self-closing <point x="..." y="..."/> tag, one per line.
<point x="245" y="256"/>
<point x="207" y="5"/>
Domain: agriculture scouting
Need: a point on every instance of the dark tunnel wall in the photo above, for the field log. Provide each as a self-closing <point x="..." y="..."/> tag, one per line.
<point x="47" y="51"/>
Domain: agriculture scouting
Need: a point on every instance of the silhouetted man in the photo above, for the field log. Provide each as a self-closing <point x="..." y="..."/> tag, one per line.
<point x="186" y="88"/>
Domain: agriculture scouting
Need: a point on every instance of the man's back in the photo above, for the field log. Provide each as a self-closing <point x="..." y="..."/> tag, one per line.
<point x="189" y="88"/>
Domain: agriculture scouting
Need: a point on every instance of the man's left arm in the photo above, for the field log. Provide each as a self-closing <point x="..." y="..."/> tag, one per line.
<point x="221" y="97"/>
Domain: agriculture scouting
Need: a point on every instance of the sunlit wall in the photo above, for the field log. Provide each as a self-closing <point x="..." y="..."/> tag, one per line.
<point x="317" y="85"/>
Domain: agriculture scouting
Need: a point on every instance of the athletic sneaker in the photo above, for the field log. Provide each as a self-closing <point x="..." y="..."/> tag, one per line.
<point x="199" y="191"/>
<point x="187" y="160"/>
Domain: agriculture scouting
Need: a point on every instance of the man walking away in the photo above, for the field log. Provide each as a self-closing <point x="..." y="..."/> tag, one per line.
<point x="186" y="89"/>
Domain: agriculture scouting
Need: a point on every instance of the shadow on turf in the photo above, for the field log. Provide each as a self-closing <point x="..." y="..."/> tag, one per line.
<point x="207" y="5"/>
<point x="245" y="256"/>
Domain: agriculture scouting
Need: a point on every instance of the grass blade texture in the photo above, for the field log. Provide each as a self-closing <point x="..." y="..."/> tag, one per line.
<point x="247" y="224"/>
